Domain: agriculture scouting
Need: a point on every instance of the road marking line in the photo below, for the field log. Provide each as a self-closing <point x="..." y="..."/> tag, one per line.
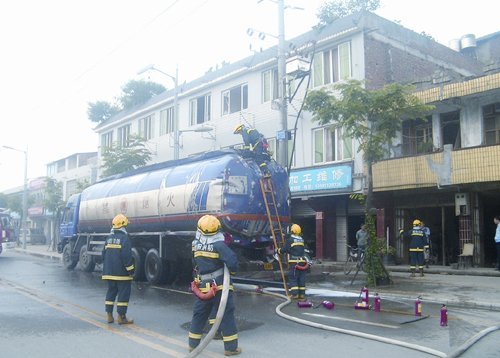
<point x="353" y="320"/>
<point x="62" y="306"/>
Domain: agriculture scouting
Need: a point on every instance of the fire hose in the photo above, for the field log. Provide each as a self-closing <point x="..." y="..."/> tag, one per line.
<point x="351" y="332"/>
<point x="218" y="318"/>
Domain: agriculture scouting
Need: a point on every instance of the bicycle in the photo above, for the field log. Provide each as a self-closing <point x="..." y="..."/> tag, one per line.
<point x="355" y="258"/>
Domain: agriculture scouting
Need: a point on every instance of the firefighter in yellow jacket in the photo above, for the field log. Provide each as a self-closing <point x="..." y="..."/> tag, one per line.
<point x="210" y="253"/>
<point x="118" y="270"/>
<point x="298" y="265"/>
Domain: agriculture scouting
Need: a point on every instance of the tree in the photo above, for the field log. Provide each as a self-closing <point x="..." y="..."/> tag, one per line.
<point x="336" y="9"/>
<point x="139" y="92"/>
<point x="101" y="111"/>
<point x="133" y="93"/>
<point x="53" y="196"/>
<point x="118" y="159"/>
<point x="373" y="118"/>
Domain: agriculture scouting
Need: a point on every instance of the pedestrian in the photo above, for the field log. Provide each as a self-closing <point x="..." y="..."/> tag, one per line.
<point x="256" y="143"/>
<point x="210" y="253"/>
<point x="427" y="248"/>
<point x="118" y="270"/>
<point x="496" y="220"/>
<point x="295" y="249"/>
<point x="417" y="243"/>
<point x="362" y="239"/>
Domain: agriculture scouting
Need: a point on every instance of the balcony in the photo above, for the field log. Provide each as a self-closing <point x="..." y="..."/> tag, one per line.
<point x="462" y="166"/>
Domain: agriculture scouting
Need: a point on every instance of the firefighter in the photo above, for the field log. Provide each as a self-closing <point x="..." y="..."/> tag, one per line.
<point x="298" y="265"/>
<point x="210" y="253"/>
<point x="118" y="270"/>
<point x="418" y="240"/>
<point x="257" y="144"/>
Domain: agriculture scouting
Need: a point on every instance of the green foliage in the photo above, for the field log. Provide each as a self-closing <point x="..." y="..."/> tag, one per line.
<point x="53" y="195"/>
<point x="119" y="159"/>
<point x="139" y="92"/>
<point x="372" y="117"/>
<point x="82" y="184"/>
<point x="101" y="111"/>
<point x="374" y="266"/>
<point x="15" y="203"/>
<point x="133" y="93"/>
<point x="336" y="9"/>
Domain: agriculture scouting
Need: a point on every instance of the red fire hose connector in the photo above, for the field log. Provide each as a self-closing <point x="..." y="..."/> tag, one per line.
<point x="204" y="296"/>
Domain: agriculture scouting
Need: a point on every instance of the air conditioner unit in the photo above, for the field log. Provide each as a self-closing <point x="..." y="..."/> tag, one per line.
<point x="462" y="204"/>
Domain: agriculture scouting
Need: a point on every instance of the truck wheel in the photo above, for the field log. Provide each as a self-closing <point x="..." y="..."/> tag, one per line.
<point x="87" y="262"/>
<point x="153" y="267"/>
<point x="69" y="262"/>
<point x="138" y="255"/>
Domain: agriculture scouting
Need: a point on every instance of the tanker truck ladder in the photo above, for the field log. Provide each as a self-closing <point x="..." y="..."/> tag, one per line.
<point x="266" y="186"/>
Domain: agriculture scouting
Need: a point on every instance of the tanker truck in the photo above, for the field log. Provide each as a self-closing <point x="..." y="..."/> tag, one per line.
<point x="163" y="203"/>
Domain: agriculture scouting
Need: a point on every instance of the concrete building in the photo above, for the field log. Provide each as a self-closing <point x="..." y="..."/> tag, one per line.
<point x="326" y="166"/>
<point x="74" y="170"/>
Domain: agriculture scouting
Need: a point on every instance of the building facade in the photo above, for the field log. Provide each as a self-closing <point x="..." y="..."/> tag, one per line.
<point x="326" y="166"/>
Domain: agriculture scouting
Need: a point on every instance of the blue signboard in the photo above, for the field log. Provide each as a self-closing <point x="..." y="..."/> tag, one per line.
<point x="334" y="177"/>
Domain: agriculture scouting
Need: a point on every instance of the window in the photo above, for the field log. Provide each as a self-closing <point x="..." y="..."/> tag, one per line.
<point x="330" y="145"/>
<point x="71" y="187"/>
<point x="61" y="165"/>
<point x="269" y="85"/>
<point x="146" y="127"/>
<point x="235" y="99"/>
<point x="417" y="136"/>
<point x="167" y="120"/>
<point x="107" y="139"/>
<point x="491" y="118"/>
<point x="332" y="65"/>
<point x="450" y="127"/>
<point x="124" y="136"/>
<point x="274" y="150"/>
<point x="72" y="162"/>
<point x="200" y="109"/>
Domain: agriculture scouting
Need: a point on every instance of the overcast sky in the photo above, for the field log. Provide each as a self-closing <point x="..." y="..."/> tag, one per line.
<point x="58" y="55"/>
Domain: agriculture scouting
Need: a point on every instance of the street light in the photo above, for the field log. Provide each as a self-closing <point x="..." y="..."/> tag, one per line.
<point x="25" y="191"/>
<point x="201" y="129"/>
<point x="176" y="109"/>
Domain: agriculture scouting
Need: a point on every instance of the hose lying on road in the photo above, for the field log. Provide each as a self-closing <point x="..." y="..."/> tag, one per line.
<point x="353" y="333"/>
<point x="218" y="318"/>
<point x="461" y="349"/>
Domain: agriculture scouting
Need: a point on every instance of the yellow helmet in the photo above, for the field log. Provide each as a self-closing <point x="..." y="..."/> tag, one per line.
<point x="295" y="229"/>
<point x="416" y="222"/>
<point x="119" y="221"/>
<point x="209" y="225"/>
<point x="238" y="128"/>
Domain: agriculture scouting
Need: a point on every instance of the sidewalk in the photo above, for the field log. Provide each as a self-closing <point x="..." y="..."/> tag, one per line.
<point x="473" y="287"/>
<point x="43" y="250"/>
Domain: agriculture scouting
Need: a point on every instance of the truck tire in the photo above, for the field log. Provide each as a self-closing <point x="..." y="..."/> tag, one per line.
<point x="138" y="254"/>
<point x="87" y="263"/>
<point x="69" y="262"/>
<point x="154" y="267"/>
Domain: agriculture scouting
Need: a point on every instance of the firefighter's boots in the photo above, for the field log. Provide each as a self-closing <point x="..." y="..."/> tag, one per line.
<point x="110" y="318"/>
<point x="122" y="319"/>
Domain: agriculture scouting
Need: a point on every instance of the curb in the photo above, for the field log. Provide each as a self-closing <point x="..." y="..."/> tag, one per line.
<point x="48" y="254"/>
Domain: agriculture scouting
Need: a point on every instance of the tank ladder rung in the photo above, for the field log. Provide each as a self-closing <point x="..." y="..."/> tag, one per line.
<point x="266" y="186"/>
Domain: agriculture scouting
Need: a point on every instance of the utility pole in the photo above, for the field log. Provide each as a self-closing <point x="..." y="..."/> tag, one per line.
<point x="282" y="150"/>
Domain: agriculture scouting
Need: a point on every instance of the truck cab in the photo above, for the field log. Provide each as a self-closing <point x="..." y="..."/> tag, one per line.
<point x="68" y="227"/>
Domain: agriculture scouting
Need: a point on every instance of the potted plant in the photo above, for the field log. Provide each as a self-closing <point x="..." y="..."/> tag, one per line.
<point x="388" y="255"/>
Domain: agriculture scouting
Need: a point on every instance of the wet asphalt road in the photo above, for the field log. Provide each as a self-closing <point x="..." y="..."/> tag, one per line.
<point x="47" y="311"/>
